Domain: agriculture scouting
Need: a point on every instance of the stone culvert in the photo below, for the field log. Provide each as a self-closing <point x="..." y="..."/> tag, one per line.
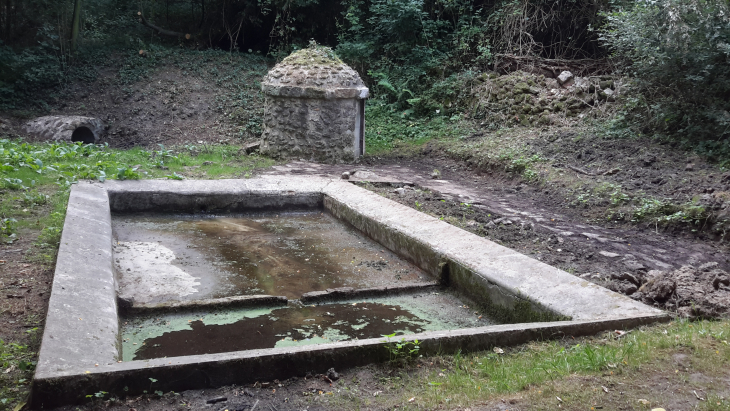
<point x="67" y="128"/>
<point x="314" y="108"/>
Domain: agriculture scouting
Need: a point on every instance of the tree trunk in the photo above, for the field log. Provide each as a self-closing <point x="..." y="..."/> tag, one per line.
<point x="75" y="25"/>
<point x="8" y="30"/>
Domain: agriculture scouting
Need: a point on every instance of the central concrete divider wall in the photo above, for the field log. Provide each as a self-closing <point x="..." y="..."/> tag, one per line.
<point x="513" y="286"/>
<point x="79" y="352"/>
<point x="193" y="196"/>
<point x="500" y="304"/>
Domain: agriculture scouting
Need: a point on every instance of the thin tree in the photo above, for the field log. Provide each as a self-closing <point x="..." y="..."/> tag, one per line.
<point x="75" y="24"/>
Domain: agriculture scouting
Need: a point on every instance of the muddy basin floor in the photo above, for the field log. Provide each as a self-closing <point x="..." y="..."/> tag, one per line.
<point x="223" y="330"/>
<point x="164" y="257"/>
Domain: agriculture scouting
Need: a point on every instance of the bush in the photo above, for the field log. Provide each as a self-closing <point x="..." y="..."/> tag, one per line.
<point x="678" y="53"/>
<point x="32" y="69"/>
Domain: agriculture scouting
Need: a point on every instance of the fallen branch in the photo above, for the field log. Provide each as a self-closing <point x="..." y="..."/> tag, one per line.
<point x="582" y="67"/>
<point x="160" y="30"/>
<point x="580" y="170"/>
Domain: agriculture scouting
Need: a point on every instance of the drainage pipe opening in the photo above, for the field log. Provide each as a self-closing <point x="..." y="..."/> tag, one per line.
<point x="84" y="135"/>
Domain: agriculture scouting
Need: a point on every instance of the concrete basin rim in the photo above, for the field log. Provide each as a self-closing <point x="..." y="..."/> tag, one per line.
<point x="90" y="207"/>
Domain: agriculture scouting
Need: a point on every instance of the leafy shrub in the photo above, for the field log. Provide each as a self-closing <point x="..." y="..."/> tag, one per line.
<point x="678" y="52"/>
<point x="31" y="69"/>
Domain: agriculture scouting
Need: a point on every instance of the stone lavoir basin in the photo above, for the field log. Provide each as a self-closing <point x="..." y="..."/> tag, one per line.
<point x="208" y="283"/>
<point x="296" y="254"/>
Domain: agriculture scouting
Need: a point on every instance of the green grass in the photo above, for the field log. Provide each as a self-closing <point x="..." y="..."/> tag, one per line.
<point x="386" y="129"/>
<point x="17" y="362"/>
<point x="35" y="178"/>
<point x="542" y="368"/>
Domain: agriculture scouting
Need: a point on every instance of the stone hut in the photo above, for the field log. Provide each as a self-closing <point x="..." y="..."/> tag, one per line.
<point x="314" y="108"/>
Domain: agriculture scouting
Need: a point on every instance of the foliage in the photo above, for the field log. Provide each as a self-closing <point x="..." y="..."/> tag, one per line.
<point x="423" y="55"/>
<point x="666" y="212"/>
<point x="31" y="69"/>
<point x="678" y="54"/>
<point x="461" y="380"/>
<point x="43" y="174"/>
<point x="8" y="230"/>
<point x="520" y="164"/>
<point x="387" y="127"/>
<point x="405" y="47"/>
<point x="18" y="363"/>
<point x="403" y="350"/>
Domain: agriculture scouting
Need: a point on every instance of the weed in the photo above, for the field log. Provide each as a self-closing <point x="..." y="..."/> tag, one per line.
<point x="520" y="164"/>
<point x="401" y="351"/>
<point x="8" y="230"/>
<point x="662" y="211"/>
<point x="34" y="198"/>
<point x="14" y="183"/>
<point x="18" y="363"/>
<point x="162" y="155"/>
<point x="174" y="176"/>
<point x="97" y="395"/>
<point x="127" y="173"/>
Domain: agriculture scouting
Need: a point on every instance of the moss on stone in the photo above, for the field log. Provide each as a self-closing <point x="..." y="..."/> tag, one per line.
<point x="314" y="55"/>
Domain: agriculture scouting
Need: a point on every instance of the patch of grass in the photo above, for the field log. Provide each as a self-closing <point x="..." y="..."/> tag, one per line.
<point x="462" y="380"/>
<point x="517" y="162"/>
<point x="387" y="129"/>
<point x="35" y="179"/>
<point x="665" y="212"/>
<point x="17" y="362"/>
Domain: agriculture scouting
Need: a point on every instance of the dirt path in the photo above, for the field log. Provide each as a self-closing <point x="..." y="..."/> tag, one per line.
<point x="623" y="258"/>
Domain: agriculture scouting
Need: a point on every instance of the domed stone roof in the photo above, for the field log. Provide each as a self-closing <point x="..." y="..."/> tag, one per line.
<point x="314" y="72"/>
